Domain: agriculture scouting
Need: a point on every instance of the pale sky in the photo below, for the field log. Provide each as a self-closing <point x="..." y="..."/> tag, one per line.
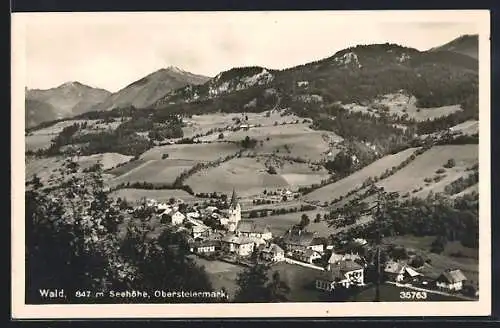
<point x="111" y="50"/>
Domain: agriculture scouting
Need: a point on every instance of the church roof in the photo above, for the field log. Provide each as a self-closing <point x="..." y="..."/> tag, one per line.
<point x="234" y="199"/>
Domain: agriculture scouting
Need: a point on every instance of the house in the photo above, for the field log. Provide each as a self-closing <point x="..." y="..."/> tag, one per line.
<point x="343" y="274"/>
<point x="211" y="209"/>
<point x="162" y="206"/>
<point x="400" y="272"/>
<point x="200" y="231"/>
<point x="273" y="253"/>
<point x="166" y="211"/>
<point x="302" y="240"/>
<point x="193" y="215"/>
<point x="242" y="246"/>
<point x="307" y="255"/>
<point x="247" y="228"/>
<point x="336" y="258"/>
<point x="177" y="218"/>
<point x="223" y="221"/>
<point x="451" y="280"/>
<point x="204" y="247"/>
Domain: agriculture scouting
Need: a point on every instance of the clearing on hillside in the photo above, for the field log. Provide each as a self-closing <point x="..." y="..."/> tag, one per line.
<point x="196" y="152"/>
<point x="467" y="127"/>
<point x="356" y="179"/>
<point x="426" y="166"/>
<point x="401" y="104"/>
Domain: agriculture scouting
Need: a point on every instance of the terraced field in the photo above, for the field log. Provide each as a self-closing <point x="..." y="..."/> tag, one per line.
<point x="424" y="166"/>
<point x="355" y="180"/>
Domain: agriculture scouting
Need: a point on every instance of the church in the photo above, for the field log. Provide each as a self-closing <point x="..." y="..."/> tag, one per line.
<point x="234" y="212"/>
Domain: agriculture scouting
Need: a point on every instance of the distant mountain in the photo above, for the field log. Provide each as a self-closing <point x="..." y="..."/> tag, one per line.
<point x="356" y="74"/>
<point x="66" y="100"/>
<point x="465" y="45"/>
<point x="148" y="90"/>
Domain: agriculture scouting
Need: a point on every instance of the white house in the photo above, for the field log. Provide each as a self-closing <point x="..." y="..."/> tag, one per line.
<point x="307" y="256"/>
<point x="400" y="272"/>
<point x="241" y="246"/>
<point x="302" y="240"/>
<point x="451" y="280"/>
<point x="273" y="253"/>
<point x="343" y="274"/>
<point x="204" y="247"/>
<point x="178" y="218"/>
<point x="336" y="258"/>
<point x="248" y="228"/>
<point x="199" y="231"/>
<point x="162" y="206"/>
<point x="193" y="215"/>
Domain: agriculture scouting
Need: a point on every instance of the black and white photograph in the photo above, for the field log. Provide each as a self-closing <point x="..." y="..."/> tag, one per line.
<point x="231" y="164"/>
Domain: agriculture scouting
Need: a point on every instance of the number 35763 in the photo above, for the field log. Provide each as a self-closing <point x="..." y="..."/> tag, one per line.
<point x="413" y="295"/>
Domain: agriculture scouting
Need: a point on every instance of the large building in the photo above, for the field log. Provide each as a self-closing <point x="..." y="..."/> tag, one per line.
<point x="234" y="213"/>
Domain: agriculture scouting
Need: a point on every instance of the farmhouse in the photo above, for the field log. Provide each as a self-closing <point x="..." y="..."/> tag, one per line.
<point x="400" y="272"/>
<point x="302" y="240"/>
<point x="199" y="231"/>
<point x="242" y="246"/>
<point x="273" y="253"/>
<point x="247" y="228"/>
<point x="451" y="280"/>
<point x="342" y="274"/>
<point x="204" y="247"/>
<point x="336" y="258"/>
<point x="178" y="218"/>
<point x="307" y="255"/>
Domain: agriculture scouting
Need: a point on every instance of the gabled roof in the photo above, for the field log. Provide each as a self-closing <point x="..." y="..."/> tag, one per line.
<point x="338" y="271"/>
<point x="249" y="226"/>
<point x="273" y="248"/>
<point x="197" y="228"/>
<point x="303" y="238"/>
<point x="393" y="267"/>
<point x="453" y="276"/>
<point x="237" y="240"/>
<point x="334" y="258"/>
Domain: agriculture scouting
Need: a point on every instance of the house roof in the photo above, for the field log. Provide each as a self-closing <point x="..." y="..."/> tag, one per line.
<point x="250" y="226"/>
<point x="334" y="258"/>
<point x="393" y="267"/>
<point x="273" y="248"/>
<point x="237" y="240"/>
<point x="179" y="214"/>
<point x="197" y="228"/>
<point x="453" y="276"/>
<point x="339" y="270"/>
<point x="303" y="238"/>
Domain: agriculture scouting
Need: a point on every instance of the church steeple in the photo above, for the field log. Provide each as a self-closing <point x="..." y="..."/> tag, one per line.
<point x="234" y="199"/>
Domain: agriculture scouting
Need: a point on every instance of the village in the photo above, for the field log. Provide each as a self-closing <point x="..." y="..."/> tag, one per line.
<point x="215" y="234"/>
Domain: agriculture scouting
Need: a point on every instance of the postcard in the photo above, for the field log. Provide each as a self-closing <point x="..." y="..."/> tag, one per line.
<point x="251" y="164"/>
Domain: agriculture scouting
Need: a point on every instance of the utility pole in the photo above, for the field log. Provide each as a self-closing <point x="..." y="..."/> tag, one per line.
<point x="378" y="214"/>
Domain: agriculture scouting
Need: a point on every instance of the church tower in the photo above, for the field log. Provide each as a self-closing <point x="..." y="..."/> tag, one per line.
<point x="234" y="212"/>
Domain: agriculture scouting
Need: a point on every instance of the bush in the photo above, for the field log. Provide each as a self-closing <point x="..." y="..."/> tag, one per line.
<point x="438" y="245"/>
<point x="451" y="163"/>
<point x="164" y="156"/>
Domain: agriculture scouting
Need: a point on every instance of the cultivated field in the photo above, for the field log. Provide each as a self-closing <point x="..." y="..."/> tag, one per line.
<point x="42" y="167"/>
<point x="246" y="175"/>
<point x="163" y="195"/>
<point x="343" y="186"/>
<point x="401" y="104"/>
<point x="155" y="171"/>
<point x="197" y="152"/>
<point x="424" y="166"/>
<point x="108" y="160"/>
